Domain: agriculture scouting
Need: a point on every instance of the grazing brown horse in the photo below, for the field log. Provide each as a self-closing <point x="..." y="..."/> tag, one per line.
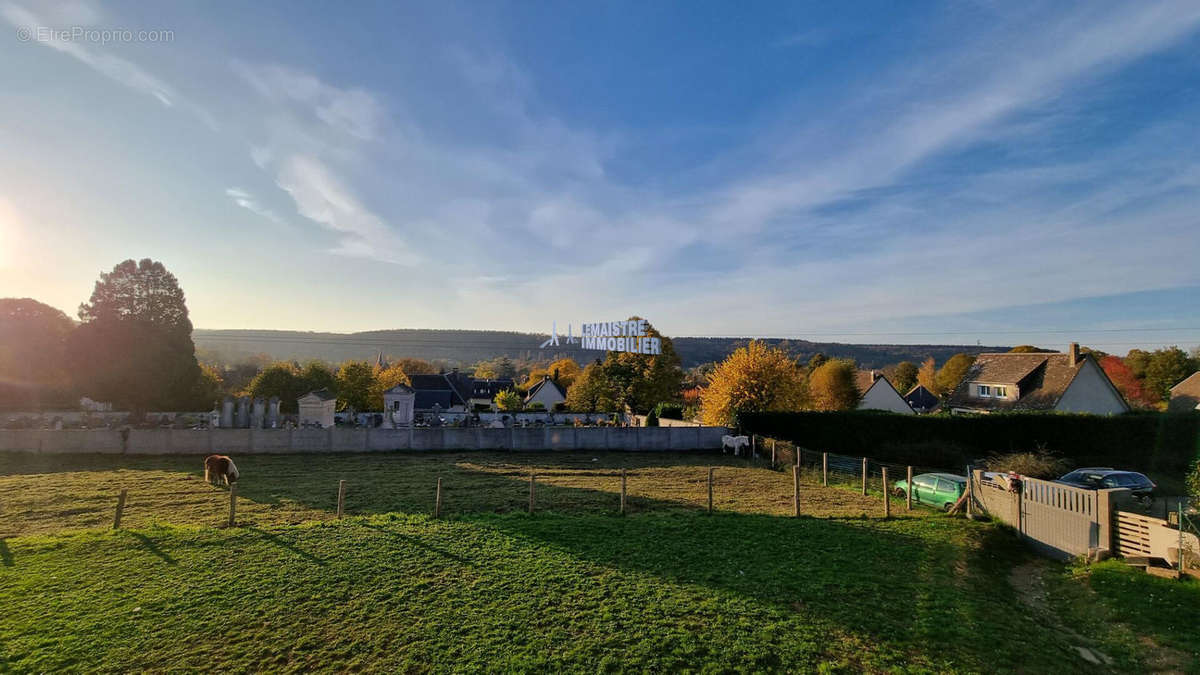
<point x="217" y="467"/>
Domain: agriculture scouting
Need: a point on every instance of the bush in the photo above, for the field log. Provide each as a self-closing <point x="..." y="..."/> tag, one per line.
<point x="671" y="411"/>
<point x="1039" y="463"/>
<point x="652" y="419"/>
<point x="1193" y="484"/>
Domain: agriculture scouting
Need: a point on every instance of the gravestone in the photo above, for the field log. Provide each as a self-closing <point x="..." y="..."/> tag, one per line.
<point x="227" y="413"/>
<point x="243" y="412"/>
<point x="259" y="414"/>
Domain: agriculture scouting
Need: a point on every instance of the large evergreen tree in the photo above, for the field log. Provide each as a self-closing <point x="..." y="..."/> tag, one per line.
<point x="134" y="347"/>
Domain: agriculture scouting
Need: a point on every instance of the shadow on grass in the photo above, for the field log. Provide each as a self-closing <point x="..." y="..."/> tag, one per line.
<point x="408" y="540"/>
<point x="279" y="541"/>
<point x="6" y="558"/>
<point x="152" y="547"/>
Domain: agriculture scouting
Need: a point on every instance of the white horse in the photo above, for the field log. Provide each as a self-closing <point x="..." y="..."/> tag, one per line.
<point x="735" y="443"/>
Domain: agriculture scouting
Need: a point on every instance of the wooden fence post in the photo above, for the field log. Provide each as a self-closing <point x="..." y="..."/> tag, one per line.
<point x="232" y="504"/>
<point x="622" y="491"/>
<point x="120" y="510"/>
<point x="908" y="492"/>
<point x="887" y="498"/>
<point x="864" y="477"/>
<point x="796" y="491"/>
<point x="970" y="493"/>
<point x="772" y="453"/>
<point x="341" y="508"/>
<point x="437" y="503"/>
<point x="825" y="469"/>
<point x="532" y="488"/>
<point x="710" y="489"/>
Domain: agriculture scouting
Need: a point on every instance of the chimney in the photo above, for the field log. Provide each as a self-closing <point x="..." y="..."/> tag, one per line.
<point x="874" y="376"/>
<point x="1073" y="354"/>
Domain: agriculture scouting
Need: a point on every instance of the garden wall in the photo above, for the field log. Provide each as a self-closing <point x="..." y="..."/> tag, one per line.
<point x="254" y="441"/>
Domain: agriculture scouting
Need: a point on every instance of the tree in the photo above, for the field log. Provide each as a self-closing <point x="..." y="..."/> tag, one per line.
<point x="1025" y="349"/>
<point x="386" y="379"/>
<point x="591" y="392"/>
<point x="134" y="347"/>
<point x="927" y="376"/>
<point x="904" y="377"/>
<point x="280" y="379"/>
<point x="1166" y="368"/>
<point x="1138" y="360"/>
<point x="831" y="386"/>
<point x="501" y="368"/>
<point x="564" y="371"/>
<point x="952" y="372"/>
<point x="508" y="401"/>
<point x="412" y="367"/>
<point x="754" y="378"/>
<point x="355" y="380"/>
<point x="210" y="386"/>
<point x="33" y="340"/>
<point x="317" y="375"/>
<point x="641" y="381"/>
<point x="1126" y="382"/>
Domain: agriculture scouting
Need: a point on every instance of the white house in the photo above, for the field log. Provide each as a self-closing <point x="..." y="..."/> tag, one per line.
<point x="317" y="408"/>
<point x="547" y="392"/>
<point x="1066" y="382"/>
<point x="879" y="394"/>
<point x="398" y="405"/>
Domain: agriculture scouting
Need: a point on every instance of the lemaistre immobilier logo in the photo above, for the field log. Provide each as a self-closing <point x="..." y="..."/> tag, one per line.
<point x="631" y="336"/>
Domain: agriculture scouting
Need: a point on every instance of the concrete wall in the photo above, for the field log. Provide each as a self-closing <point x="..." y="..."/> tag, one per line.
<point x="256" y="441"/>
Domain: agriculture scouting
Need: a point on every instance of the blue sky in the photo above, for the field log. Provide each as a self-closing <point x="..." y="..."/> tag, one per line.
<point x="889" y="172"/>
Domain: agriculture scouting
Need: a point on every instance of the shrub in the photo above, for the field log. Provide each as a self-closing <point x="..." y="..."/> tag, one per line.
<point x="671" y="411"/>
<point x="1193" y="484"/>
<point x="652" y="419"/>
<point x="1039" y="463"/>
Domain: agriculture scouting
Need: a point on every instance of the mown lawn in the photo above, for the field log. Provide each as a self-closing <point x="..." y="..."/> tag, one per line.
<point x="574" y="587"/>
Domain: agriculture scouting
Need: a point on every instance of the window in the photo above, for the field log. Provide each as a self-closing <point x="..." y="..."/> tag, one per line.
<point x="1001" y="392"/>
<point x="924" y="482"/>
<point x="984" y="391"/>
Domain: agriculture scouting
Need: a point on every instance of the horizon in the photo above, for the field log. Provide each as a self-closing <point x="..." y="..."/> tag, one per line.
<point x="934" y="174"/>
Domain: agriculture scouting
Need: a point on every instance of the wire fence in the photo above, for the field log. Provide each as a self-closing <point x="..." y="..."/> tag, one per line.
<point x="835" y="468"/>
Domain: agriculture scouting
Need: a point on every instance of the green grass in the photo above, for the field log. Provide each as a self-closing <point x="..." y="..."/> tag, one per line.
<point x="572" y="588"/>
<point x="1134" y="613"/>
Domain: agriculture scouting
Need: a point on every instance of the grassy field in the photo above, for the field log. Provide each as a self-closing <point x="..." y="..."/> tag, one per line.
<point x="572" y="588"/>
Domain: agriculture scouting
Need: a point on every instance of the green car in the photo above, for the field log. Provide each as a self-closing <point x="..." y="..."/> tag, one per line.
<point x="934" y="489"/>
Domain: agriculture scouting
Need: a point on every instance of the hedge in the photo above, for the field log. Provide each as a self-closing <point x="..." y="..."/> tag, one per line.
<point x="1153" y="443"/>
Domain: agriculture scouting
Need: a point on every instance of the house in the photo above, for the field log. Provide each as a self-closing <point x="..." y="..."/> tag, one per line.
<point x="1185" y="396"/>
<point x="920" y="399"/>
<point x="483" y="392"/>
<point x="547" y="392"/>
<point x="1062" y="382"/>
<point x="438" y="392"/>
<point x="879" y="394"/>
<point x="317" y="408"/>
<point x="398" y="404"/>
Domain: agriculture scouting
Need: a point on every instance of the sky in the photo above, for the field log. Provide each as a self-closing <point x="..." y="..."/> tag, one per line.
<point x="925" y="172"/>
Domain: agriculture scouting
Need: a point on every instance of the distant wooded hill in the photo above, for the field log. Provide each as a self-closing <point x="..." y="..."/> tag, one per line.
<point x="466" y="347"/>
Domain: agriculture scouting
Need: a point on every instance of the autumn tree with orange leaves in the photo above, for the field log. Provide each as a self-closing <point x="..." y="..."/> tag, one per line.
<point x="755" y="378"/>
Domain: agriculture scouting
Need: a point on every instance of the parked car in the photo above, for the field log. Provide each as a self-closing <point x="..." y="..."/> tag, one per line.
<point x="940" y="490"/>
<point x="1097" y="478"/>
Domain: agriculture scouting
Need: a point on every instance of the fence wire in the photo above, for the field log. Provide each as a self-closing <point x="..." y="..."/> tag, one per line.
<point x="842" y="469"/>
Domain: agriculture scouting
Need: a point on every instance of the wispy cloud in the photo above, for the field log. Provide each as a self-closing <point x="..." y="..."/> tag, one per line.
<point x="321" y="197"/>
<point x="114" y="67"/>
<point x="250" y="203"/>
<point x="352" y="111"/>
